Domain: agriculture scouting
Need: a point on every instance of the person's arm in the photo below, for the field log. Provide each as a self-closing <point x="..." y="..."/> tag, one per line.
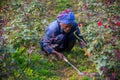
<point x="79" y="37"/>
<point x="47" y="41"/>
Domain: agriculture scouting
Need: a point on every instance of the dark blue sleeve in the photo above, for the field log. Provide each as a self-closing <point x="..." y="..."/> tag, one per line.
<point x="47" y="40"/>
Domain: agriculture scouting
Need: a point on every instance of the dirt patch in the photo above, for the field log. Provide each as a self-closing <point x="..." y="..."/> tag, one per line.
<point x="68" y="74"/>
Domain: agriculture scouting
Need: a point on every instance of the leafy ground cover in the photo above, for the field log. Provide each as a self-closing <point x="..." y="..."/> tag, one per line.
<point x="22" y="23"/>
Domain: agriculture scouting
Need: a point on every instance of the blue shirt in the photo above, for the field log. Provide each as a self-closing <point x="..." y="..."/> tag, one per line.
<point x="54" y="34"/>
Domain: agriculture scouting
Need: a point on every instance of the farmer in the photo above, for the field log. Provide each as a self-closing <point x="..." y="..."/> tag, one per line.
<point x="61" y="34"/>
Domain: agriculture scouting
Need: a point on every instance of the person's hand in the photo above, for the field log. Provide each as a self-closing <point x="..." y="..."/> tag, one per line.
<point x="59" y="55"/>
<point x="82" y="44"/>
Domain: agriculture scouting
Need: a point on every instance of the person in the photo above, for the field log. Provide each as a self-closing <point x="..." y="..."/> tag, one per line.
<point x="61" y="34"/>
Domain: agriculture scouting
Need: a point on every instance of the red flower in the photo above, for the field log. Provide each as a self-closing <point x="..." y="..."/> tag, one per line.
<point x="99" y="23"/>
<point x="79" y="25"/>
<point x="117" y="23"/>
<point x="105" y="26"/>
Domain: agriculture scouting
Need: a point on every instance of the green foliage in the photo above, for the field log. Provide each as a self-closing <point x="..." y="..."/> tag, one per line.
<point x="86" y="78"/>
<point x="98" y="37"/>
<point x="73" y="77"/>
<point x="23" y="23"/>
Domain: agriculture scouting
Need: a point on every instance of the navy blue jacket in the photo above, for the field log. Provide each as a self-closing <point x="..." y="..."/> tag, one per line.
<point x="54" y="35"/>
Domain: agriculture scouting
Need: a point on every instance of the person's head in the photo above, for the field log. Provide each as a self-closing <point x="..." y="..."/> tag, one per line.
<point x="66" y="19"/>
<point x="66" y="27"/>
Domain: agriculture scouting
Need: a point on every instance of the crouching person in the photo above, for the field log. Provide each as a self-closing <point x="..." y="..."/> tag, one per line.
<point x="59" y="35"/>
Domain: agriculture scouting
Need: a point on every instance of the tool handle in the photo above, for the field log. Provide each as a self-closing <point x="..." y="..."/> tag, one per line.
<point x="65" y="59"/>
<point x="80" y="73"/>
